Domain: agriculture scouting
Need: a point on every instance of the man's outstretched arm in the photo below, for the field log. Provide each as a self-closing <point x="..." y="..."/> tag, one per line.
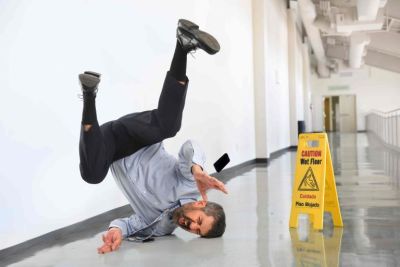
<point x="118" y="230"/>
<point x="205" y="182"/>
<point x="191" y="162"/>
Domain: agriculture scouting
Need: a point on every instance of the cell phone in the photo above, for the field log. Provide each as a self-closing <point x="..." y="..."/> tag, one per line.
<point x="221" y="162"/>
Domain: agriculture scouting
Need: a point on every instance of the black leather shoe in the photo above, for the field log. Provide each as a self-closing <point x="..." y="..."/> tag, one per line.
<point x="89" y="81"/>
<point x="191" y="38"/>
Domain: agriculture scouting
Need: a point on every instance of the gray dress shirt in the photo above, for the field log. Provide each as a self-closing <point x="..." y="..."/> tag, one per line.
<point x="155" y="183"/>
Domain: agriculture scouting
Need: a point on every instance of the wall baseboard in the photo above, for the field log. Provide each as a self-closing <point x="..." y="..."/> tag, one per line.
<point x="261" y="160"/>
<point x="282" y="151"/>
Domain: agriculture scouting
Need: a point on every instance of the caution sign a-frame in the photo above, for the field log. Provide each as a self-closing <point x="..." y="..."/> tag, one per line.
<point x="314" y="188"/>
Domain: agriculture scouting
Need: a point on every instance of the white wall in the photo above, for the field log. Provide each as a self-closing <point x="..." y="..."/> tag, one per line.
<point x="276" y="75"/>
<point x="374" y="89"/>
<point x="276" y="60"/>
<point x="296" y="76"/>
<point x="271" y="76"/>
<point x="45" y="44"/>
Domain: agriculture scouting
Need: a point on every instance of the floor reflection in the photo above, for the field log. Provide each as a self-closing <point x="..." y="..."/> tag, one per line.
<point x="367" y="177"/>
<point x="384" y="158"/>
<point x="315" y="248"/>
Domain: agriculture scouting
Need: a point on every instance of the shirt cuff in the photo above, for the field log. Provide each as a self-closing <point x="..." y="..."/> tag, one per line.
<point x="198" y="155"/>
<point x="120" y="225"/>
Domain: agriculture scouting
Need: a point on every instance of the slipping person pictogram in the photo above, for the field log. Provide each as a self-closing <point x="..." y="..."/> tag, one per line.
<point x="161" y="189"/>
<point x="309" y="183"/>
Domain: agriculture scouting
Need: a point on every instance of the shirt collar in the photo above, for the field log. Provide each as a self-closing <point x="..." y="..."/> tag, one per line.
<point x="184" y="201"/>
<point x="181" y="202"/>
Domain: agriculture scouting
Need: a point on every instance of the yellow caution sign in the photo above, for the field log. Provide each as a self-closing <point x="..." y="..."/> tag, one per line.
<point x="314" y="188"/>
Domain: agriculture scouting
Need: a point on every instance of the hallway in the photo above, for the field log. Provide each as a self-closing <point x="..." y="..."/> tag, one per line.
<point x="272" y="69"/>
<point x="258" y="207"/>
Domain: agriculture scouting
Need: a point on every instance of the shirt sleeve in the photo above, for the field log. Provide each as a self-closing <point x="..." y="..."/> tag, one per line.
<point x="129" y="226"/>
<point x="189" y="154"/>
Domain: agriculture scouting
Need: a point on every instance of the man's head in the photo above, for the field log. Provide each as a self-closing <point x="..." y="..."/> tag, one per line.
<point x="206" y="219"/>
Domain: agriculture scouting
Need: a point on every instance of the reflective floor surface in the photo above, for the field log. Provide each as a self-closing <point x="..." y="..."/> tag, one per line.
<point x="258" y="210"/>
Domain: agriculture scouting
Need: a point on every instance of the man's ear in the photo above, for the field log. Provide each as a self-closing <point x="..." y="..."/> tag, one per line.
<point x="200" y="204"/>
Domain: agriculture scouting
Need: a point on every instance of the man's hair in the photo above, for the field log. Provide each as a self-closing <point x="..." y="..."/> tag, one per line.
<point x="218" y="227"/>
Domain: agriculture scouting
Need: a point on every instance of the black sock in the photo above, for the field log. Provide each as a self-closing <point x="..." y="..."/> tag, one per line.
<point x="89" y="115"/>
<point x="178" y="64"/>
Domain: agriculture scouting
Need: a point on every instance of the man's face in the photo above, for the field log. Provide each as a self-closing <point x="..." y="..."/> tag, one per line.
<point x="191" y="218"/>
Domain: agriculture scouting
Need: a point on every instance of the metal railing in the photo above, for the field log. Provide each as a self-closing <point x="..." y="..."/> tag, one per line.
<point x="386" y="125"/>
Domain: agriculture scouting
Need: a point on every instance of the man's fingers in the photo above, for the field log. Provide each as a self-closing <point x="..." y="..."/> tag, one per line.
<point x="219" y="185"/>
<point x="104" y="249"/>
<point x="107" y="249"/>
<point x="209" y="183"/>
<point x="109" y="237"/>
<point x="106" y="239"/>
<point x="117" y="239"/>
<point x="103" y="246"/>
<point x="116" y="245"/>
<point x="100" y="249"/>
<point x="204" y="195"/>
<point x="223" y="188"/>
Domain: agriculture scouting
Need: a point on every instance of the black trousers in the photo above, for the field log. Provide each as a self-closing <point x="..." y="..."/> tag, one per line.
<point x="102" y="145"/>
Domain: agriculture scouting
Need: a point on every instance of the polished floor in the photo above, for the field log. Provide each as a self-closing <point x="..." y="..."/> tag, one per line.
<point x="258" y="210"/>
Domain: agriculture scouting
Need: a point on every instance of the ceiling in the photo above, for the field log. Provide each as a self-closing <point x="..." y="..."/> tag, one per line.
<point x="353" y="33"/>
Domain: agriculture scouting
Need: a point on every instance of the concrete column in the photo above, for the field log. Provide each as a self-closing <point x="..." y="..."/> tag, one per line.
<point x="307" y="87"/>
<point x="292" y="76"/>
<point x="259" y="28"/>
<point x="296" y="98"/>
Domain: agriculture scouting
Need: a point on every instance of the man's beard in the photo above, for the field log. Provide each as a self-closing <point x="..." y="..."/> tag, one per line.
<point x="180" y="219"/>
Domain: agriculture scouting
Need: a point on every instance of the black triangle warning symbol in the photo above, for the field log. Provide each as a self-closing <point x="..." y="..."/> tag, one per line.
<point x="309" y="183"/>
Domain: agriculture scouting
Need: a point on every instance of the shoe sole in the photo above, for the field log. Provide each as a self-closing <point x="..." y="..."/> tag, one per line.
<point x="188" y="24"/>
<point x="93" y="73"/>
<point x="89" y="81"/>
<point x="206" y="41"/>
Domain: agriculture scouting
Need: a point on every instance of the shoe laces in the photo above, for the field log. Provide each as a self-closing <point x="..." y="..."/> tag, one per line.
<point x="192" y="52"/>
<point x="81" y="96"/>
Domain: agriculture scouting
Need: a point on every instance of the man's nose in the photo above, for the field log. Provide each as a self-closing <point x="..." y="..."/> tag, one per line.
<point x="194" y="226"/>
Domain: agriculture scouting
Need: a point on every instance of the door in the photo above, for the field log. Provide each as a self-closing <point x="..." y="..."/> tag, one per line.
<point x="327" y="114"/>
<point x="347" y="113"/>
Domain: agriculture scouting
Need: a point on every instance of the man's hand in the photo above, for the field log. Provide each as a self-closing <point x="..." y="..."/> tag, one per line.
<point x="205" y="182"/>
<point x="112" y="240"/>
